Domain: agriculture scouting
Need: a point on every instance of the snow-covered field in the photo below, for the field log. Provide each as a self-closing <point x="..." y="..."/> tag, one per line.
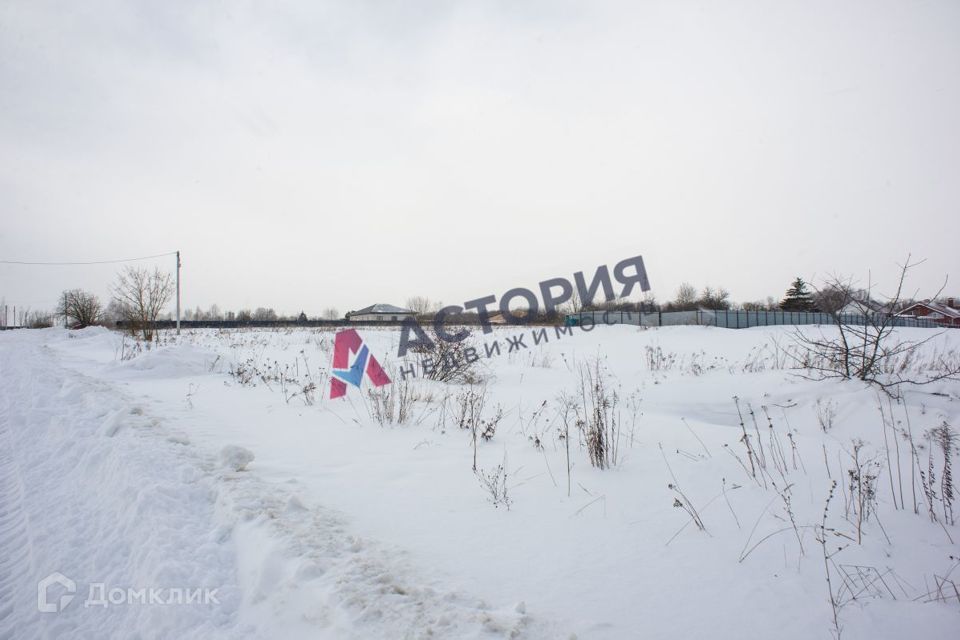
<point x="202" y="467"/>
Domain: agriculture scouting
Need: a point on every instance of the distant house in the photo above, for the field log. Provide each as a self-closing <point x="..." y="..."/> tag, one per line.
<point x="380" y="313"/>
<point x="860" y="303"/>
<point x="945" y="314"/>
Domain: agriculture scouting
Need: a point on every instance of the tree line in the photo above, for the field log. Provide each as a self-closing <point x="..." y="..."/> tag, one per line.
<point x="139" y="297"/>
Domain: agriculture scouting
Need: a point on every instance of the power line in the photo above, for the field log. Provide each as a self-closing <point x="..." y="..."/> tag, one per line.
<point x="159" y="255"/>
<point x="90" y="262"/>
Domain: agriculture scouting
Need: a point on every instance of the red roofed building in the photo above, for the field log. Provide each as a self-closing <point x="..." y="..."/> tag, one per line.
<point x="945" y="314"/>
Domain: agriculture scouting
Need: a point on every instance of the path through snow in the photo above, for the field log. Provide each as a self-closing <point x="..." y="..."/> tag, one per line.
<point x="95" y="488"/>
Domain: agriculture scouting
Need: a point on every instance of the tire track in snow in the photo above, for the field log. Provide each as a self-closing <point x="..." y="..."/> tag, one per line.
<point x="87" y="489"/>
<point x="14" y="539"/>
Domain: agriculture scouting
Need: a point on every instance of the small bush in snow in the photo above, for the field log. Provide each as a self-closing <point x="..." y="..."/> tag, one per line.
<point x="449" y="362"/>
<point x="601" y="423"/>
<point x="862" y="488"/>
<point x="391" y="403"/>
<point x="469" y="414"/>
<point x="495" y="484"/>
<point x="944" y="439"/>
<point x="826" y="412"/>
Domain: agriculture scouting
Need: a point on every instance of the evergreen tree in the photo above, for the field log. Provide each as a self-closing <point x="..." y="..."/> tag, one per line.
<point x="798" y="297"/>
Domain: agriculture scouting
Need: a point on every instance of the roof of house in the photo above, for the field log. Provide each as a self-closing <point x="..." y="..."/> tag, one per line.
<point x="380" y="308"/>
<point x="942" y="309"/>
<point x="860" y="301"/>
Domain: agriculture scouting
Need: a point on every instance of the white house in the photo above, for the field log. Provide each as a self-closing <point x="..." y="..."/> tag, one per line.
<point x="380" y="313"/>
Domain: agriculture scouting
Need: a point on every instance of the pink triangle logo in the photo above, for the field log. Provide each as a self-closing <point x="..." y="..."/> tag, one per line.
<point x="347" y="343"/>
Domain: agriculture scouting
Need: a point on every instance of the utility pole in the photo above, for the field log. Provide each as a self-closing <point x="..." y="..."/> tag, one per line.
<point x="178" y="293"/>
<point x="65" y="310"/>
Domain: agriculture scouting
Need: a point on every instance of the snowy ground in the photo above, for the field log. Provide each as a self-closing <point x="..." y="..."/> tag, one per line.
<point x="132" y="471"/>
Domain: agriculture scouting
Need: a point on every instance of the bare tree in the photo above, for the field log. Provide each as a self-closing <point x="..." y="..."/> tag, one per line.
<point x="331" y="313"/>
<point x="420" y="305"/>
<point x="761" y="305"/>
<point x="576" y="304"/>
<point x="832" y="297"/>
<point x="711" y="298"/>
<point x="262" y="313"/>
<point x="81" y="308"/>
<point x="648" y="302"/>
<point x="38" y="320"/>
<point x="140" y="296"/>
<point x="112" y="314"/>
<point x="865" y="346"/>
<point x="686" y="299"/>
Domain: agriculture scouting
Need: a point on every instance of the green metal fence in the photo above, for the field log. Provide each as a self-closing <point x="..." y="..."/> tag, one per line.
<point x="732" y="319"/>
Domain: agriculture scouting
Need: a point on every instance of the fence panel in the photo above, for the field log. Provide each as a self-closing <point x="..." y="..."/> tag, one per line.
<point x="733" y="319"/>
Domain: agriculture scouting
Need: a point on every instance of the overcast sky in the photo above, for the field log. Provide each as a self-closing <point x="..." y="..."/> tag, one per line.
<point x="312" y="154"/>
